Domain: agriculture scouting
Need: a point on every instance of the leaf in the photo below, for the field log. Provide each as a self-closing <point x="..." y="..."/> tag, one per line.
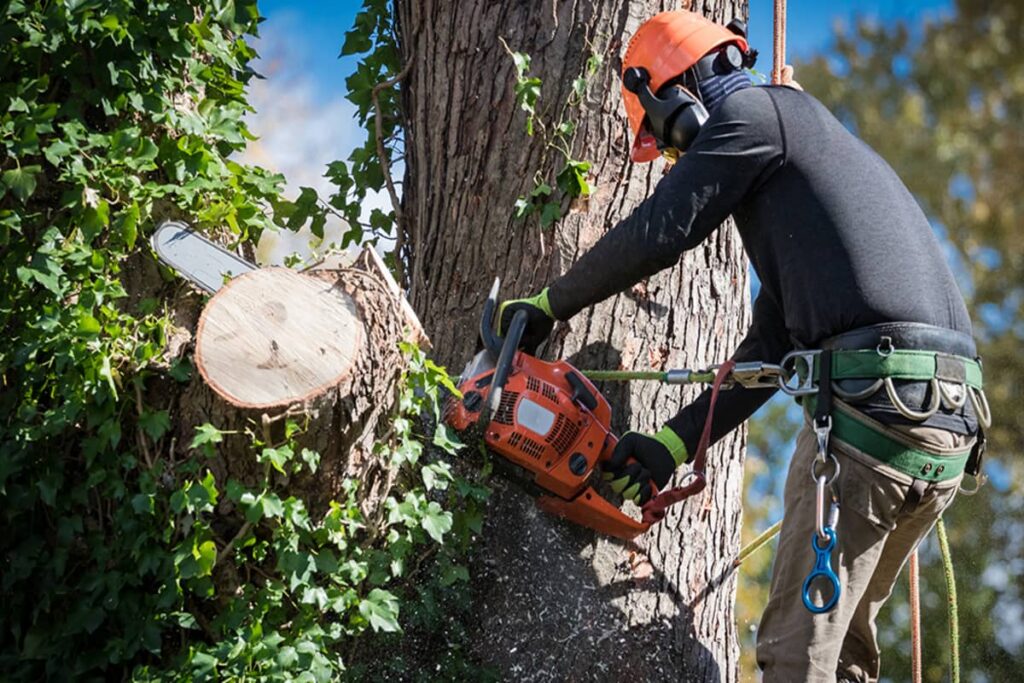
<point x="277" y="457"/>
<point x="550" y="212"/>
<point x="206" y="437"/>
<point x="436" y="521"/>
<point x="522" y="62"/>
<point x="206" y="556"/>
<point x="21" y="181"/>
<point x="155" y="423"/>
<point x="572" y="179"/>
<point x="380" y="608"/>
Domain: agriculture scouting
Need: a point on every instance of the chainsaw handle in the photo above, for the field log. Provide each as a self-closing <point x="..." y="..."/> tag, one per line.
<point x="491" y="339"/>
<point x="610" y="442"/>
<point x="504" y="364"/>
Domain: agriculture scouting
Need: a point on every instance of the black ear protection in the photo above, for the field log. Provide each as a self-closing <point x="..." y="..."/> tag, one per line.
<point x="673" y="115"/>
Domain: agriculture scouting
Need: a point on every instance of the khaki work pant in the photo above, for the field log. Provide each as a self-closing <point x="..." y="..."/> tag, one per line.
<point x="877" y="531"/>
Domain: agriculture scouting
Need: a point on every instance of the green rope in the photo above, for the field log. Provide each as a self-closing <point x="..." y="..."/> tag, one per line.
<point x="623" y="375"/>
<point x="643" y="375"/>
<point x="951" y="603"/>
<point x="755" y="545"/>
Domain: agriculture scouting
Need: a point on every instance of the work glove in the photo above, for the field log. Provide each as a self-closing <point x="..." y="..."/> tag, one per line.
<point x="539" y="320"/>
<point x="656" y="455"/>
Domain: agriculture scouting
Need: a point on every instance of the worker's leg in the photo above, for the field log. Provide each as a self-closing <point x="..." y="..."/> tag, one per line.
<point x="859" y="659"/>
<point x="792" y="643"/>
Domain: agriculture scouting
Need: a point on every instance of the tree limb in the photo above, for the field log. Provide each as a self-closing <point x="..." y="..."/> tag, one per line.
<point x="400" y="236"/>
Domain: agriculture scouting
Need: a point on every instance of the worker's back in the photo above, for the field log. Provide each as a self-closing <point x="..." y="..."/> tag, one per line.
<point x="833" y="230"/>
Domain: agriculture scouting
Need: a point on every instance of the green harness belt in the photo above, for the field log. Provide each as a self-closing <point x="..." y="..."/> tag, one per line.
<point x="863" y="433"/>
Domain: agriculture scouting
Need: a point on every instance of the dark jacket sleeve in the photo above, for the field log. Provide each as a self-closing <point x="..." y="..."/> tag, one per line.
<point x="736" y="150"/>
<point x="768" y="341"/>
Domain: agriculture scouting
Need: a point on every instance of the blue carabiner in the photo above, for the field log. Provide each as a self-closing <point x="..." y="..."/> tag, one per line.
<point x="822" y="568"/>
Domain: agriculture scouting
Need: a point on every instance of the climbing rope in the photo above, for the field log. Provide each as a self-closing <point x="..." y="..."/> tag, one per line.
<point x="915" y="620"/>
<point x="951" y="602"/>
<point x="779" y="44"/>
<point x="755" y="545"/>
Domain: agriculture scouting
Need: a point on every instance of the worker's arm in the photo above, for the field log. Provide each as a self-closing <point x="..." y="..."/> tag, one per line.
<point x="768" y="341"/>
<point x="736" y="151"/>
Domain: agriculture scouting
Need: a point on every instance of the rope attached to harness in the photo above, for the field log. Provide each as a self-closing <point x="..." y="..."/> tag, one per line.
<point x="915" y="619"/>
<point x="654" y="509"/>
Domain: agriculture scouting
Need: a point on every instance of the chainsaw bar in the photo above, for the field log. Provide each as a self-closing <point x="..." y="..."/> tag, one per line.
<point x="204" y="263"/>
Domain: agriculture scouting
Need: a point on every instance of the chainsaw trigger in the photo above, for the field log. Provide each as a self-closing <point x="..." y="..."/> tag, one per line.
<point x="580" y="393"/>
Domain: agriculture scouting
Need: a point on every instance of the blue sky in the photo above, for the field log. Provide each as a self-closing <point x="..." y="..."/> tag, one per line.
<point x="304" y="121"/>
<point x="314" y="29"/>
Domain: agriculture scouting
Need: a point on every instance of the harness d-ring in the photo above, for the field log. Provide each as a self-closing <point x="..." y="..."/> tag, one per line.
<point x="822" y="569"/>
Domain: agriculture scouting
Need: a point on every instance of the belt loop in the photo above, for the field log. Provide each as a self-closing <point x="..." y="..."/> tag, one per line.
<point x="915" y="494"/>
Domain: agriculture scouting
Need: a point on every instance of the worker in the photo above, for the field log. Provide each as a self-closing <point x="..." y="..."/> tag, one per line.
<point x="848" y="264"/>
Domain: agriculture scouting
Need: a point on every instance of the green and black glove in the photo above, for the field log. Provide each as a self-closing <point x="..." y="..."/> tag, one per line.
<point x="539" y="320"/>
<point x="657" y="456"/>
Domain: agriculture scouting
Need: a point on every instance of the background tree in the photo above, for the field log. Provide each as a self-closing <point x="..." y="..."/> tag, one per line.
<point x="943" y="105"/>
<point x="516" y="158"/>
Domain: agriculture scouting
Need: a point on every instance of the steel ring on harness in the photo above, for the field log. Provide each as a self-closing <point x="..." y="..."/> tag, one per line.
<point x="906" y="412"/>
<point x="799" y="364"/>
<point x="948" y="399"/>
<point x="885" y="352"/>
<point x="979" y="399"/>
<point x="979" y="479"/>
<point x="815" y="475"/>
<point x="856" y="395"/>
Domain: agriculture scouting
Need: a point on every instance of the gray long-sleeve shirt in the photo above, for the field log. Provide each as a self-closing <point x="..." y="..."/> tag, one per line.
<point x="836" y="239"/>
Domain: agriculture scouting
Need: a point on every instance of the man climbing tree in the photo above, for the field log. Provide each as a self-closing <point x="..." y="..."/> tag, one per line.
<point x="854" y="289"/>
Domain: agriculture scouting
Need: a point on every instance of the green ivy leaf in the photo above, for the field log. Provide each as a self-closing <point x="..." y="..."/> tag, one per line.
<point x="206" y="556"/>
<point x="380" y="608"/>
<point x="436" y="521"/>
<point x="207" y="436"/>
<point x="21" y="181"/>
<point x="155" y="423"/>
<point x="549" y="213"/>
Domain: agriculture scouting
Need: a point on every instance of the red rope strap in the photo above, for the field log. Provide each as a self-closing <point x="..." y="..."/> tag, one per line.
<point x="654" y="509"/>
<point x="779" y="43"/>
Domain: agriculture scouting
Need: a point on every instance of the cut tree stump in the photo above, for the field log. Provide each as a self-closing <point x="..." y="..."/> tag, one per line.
<point x="273" y="337"/>
<point x="319" y="348"/>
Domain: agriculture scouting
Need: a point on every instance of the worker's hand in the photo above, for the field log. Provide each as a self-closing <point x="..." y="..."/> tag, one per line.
<point x="787" y="78"/>
<point x="656" y="455"/>
<point x="539" y="319"/>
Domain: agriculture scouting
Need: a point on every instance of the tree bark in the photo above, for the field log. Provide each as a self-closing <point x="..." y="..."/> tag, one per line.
<point x="556" y="602"/>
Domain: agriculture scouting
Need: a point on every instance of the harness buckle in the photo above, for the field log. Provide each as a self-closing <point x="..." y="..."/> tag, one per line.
<point x="799" y="364"/>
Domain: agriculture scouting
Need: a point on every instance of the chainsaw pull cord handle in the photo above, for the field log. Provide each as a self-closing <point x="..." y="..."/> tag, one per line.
<point x="503" y="366"/>
<point x="654" y="509"/>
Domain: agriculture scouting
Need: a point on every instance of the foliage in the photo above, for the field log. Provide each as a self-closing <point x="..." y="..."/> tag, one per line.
<point x="942" y="104"/>
<point x="373" y="33"/>
<point x="557" y="131"/>
<point x="122" y="557"/>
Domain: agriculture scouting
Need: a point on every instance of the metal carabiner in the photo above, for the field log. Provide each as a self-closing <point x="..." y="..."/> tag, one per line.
<point x="758" y="375"/>
<point x="791" y="367"/>
<point x="822" y="569"/>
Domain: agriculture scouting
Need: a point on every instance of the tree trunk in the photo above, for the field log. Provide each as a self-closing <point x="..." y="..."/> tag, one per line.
<point x="320" y="349"/>
<point x="556" y="602"/>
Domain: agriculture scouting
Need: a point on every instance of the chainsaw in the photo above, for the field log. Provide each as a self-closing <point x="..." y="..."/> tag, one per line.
<point x="544" y="418"/>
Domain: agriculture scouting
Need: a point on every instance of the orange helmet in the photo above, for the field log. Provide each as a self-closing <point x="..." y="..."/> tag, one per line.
<point x="666" y="45"/>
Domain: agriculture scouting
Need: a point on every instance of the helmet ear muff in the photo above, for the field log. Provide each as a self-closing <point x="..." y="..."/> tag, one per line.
<point x="675" y="116"/>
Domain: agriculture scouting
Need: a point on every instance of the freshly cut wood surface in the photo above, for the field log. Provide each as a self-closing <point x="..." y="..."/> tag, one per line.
<point x="273" y="337"/>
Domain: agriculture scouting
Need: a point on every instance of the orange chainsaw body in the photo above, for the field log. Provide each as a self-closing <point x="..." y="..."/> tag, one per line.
<point x="553" y="423"/>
